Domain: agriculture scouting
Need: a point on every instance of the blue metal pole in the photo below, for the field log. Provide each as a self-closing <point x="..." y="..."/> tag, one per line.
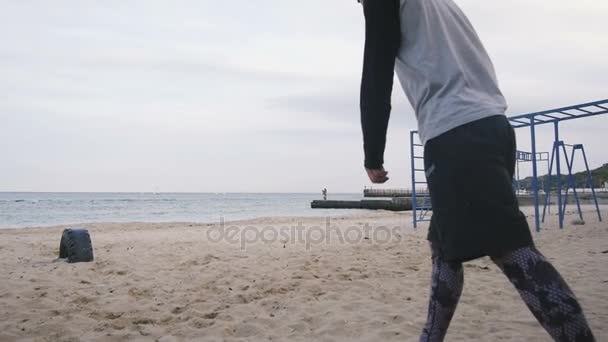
<point x="548" y="185"/>
<point x="548" y="172"/>
<point x="534" y="174"/>
<point x="568" y="180"/>
<point x="573" y="181"/>
<point x="559" y="175"/>
<point x="590" y="182"/>
<point x="413" y="165"/>
<point x="518" y="178"/>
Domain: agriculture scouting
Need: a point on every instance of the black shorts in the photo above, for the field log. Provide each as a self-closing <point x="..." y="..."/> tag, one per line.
<point x="469" y="173"/>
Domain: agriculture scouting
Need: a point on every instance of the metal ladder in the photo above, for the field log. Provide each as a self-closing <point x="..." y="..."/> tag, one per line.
<point x="421" y="201"/>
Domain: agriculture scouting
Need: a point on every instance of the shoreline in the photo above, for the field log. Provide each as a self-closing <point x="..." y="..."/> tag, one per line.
<point x="588" y="210"/>
<point x="349" y="213"/>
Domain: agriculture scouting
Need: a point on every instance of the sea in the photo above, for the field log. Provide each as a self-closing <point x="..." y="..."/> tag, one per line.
<point x="29" y="209"/>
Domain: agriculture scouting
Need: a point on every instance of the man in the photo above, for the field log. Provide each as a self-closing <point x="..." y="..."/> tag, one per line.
<point x="469" y="157"/>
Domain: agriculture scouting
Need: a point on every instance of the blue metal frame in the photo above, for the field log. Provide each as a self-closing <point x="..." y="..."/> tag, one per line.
<point x="560" y="114"/>
<point x="572" y="183"/>
<point x="531" y="120"/>
<point x="569" y="184"/>
<point x="554" y="116"/>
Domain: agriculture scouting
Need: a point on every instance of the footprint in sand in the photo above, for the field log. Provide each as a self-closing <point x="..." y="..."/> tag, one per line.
<point x="201" y="323"/>
<point x="82" y="300"/>
<point x="139" y="293"/>
<point x="143" y="321"/>
<point x="387" y="335"/>
<point x="178" y="310"/>
<point x="167" y="339"/>
<point x="245" y="330"/>
<point x="114" y="315"/>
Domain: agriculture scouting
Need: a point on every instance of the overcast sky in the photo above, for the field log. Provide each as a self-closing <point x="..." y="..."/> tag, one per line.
<point x="253" y="96"/>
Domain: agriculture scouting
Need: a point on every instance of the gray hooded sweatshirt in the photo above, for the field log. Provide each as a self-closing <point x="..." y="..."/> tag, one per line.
<point x="441" y="64"/>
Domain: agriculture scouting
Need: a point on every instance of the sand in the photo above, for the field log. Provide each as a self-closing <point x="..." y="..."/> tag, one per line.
<point x="171" y="282"/>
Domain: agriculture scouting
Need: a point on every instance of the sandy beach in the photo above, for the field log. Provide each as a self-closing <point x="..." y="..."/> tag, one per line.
<point x="353" y="278"/>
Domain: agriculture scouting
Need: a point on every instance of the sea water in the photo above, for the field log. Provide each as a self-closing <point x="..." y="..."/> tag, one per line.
<point x="28" y="209"/>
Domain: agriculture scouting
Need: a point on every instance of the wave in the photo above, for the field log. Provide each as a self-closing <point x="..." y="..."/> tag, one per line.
<point x="22" y="201"/>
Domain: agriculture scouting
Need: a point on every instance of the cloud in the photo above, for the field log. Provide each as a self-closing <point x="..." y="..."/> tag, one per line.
<point x="214" y="96"/>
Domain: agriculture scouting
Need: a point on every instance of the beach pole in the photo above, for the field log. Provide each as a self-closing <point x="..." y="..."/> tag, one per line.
<point x="534" y="173"/>
<point x="559" y="175"/>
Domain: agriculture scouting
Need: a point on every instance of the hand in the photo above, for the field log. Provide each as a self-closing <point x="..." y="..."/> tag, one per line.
<point x="377" y="176"/>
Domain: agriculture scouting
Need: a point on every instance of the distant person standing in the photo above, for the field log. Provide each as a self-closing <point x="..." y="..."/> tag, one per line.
<point x="469" y="157"/>
<point x="324" y="193"/>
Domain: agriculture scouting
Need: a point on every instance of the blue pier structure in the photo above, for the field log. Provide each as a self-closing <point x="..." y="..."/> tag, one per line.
<point x="421" y="205"/>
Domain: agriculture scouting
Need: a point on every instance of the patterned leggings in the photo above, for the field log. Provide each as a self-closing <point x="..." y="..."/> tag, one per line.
<point x="539" y="284"/>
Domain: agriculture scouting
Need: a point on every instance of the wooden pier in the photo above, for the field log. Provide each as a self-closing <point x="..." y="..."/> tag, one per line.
<point x="387" y="193"/>
<point x="395" y="204"/>
<point x="401" y="200"/>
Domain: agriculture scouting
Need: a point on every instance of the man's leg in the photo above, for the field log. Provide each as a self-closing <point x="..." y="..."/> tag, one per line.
<point x="447" y="280"/>
<point x="546" y="294"/>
